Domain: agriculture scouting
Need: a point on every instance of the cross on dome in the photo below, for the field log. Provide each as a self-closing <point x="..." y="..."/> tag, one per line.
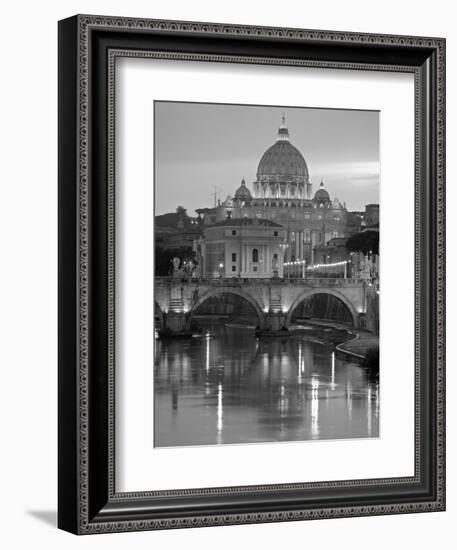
<point x="283" y="132"/>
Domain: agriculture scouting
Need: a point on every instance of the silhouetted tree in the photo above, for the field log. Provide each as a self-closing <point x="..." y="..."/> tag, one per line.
<point x="366" y="242"/>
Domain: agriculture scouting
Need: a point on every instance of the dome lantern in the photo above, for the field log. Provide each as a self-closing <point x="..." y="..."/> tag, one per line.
<point x="283" y="131"/>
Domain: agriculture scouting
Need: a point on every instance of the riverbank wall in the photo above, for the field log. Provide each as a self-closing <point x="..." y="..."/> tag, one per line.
<point x="357" y="344"/>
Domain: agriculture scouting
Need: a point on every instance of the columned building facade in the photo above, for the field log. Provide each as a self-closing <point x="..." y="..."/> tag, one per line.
<point x="246" y="248"/>
<point x="282" y="194"/>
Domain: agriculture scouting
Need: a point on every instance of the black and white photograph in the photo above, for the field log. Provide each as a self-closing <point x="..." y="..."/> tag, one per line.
<point x="208" y="341"/>
<point x="266" y="275"/>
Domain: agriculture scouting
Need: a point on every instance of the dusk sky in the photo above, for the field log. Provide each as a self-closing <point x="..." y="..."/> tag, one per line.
<point x="201" y="149"/>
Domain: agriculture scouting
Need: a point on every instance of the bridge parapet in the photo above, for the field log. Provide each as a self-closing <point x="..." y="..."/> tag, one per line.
<point x="182" y="297"/>
<point x="235" y="281"/>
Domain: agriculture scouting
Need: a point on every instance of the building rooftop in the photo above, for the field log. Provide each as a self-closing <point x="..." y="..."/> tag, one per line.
<point x="206" y="210"/>
<point x="231" y="222"/>
<point x="372" y="227"/>
<point x="336" y="241"/>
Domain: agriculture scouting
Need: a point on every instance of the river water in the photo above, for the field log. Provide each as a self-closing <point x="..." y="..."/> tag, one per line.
<point x="227" y="386"/>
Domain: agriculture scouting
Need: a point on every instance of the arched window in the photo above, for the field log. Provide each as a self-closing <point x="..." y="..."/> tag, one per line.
<point x="255" y="255"/>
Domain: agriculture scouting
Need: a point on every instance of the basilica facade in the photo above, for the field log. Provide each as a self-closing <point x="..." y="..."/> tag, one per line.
<point x="283" y="194"/>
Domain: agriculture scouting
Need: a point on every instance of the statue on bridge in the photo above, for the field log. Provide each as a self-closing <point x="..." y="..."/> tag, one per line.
<point x="176" y="263"/>
<point x="185" y="269"/>
<point x="274" y="266"/>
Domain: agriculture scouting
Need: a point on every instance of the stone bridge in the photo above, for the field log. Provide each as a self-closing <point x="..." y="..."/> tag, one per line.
<point x="274" y="300"/>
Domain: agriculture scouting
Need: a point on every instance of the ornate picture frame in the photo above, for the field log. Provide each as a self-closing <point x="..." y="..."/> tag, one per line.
<point x="88" y="500"/>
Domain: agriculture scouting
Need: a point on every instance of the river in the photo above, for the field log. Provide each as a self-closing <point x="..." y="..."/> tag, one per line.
<point x="227" y="386"/>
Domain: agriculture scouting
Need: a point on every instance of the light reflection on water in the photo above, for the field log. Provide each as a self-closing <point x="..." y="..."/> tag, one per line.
<point x="226" y="386"/>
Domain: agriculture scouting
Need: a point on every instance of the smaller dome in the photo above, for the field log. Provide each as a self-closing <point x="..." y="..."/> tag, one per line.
<point x="243" y="192"/>
<point x="322" y="194"/>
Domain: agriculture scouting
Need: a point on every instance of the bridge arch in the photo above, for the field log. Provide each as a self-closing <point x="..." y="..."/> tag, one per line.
<point x="228" y="290"/>
<point x="312" y="291"/>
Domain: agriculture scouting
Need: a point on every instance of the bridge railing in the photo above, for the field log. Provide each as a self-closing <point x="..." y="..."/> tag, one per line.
<point x="235" y="281"/>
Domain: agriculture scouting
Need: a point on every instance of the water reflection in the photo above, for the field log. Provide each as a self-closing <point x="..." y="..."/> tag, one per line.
<point x="226" y="386"/>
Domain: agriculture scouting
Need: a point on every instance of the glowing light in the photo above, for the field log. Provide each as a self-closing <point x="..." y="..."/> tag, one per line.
<point x="220" y="420"/>
<point x="299" y="362"/>
<point x="320" y="266"/>
<point x="314" y="406"/>
<point x="207" y="352"/>
<point x="349" y="398"/>
<point x="283" y="404"/>
<point x="369" y="411"/>
<point x="333" y="371"/>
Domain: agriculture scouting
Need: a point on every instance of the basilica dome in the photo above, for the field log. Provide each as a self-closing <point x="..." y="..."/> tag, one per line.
<point x="282" y="161"/>
<point x="243" y="192"/>
<point x="321" y="194"/>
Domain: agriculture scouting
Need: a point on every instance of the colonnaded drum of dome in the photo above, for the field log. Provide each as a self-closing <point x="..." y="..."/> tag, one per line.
<point x="266" y="289"/>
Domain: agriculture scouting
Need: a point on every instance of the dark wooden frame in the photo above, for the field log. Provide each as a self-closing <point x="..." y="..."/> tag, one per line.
<point x="88" y="502"/>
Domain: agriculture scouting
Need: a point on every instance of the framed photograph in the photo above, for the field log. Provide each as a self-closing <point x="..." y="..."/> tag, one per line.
<point x="251" y="274"/>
